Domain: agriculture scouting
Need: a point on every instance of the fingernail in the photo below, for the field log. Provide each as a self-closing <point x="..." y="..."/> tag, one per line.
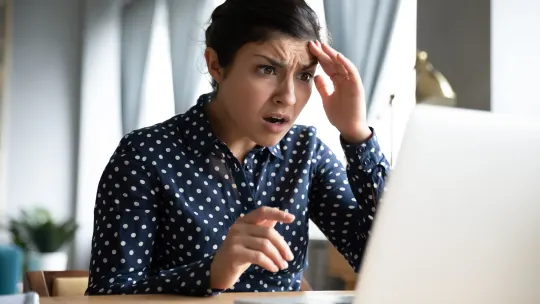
<point x="284" y="265"/>
<point x="290" y="256"/>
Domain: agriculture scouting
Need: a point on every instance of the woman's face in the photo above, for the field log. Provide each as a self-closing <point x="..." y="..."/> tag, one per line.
<point x="266" y="87"/>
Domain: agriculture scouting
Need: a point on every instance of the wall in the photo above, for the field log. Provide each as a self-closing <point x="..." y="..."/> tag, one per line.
<point x="515" y="56"/>
<point x="456" y="35"/>
<point x="42" y="124"/>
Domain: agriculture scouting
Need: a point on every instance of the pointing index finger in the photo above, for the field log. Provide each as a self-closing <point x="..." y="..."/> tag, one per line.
<point x="263" y="214"/>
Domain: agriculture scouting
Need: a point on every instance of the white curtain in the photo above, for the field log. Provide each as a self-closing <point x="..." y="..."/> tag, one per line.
<point x="361" y="30"/>
<point x="100" y="116"/>
<point x="137" y="19"/>
<point x="157" y="93"/>
<point x="188" y="20"/>
<point x="163" y="68"/>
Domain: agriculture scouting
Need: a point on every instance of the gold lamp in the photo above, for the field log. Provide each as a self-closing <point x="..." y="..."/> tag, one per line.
<point x="431" y="85"/>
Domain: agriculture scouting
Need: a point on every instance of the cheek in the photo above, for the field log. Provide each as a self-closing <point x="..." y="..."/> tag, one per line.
<point x="244" y="91"/>
<point x="246" y="99"/>
<point x="303" y="94"/>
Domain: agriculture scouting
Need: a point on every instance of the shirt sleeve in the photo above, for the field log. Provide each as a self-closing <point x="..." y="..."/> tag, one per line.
<point x="343" y="201"/>
<point x="126" y="221"/>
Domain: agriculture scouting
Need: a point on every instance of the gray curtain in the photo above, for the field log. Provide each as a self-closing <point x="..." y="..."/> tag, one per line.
<point x="361" y="30"/>
<point x="188" y="20"/>
<point x="137" y="17"/>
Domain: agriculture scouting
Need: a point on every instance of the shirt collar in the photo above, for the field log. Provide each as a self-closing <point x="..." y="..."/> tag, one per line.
<point x="197" y="131"/>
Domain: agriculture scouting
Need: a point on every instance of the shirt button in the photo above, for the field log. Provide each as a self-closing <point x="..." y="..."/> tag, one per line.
<point x="248" y="167"/>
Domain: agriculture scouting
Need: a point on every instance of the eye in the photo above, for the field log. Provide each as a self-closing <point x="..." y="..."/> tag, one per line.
<point x="306" y="76"/>
<point x="267" y="70"/>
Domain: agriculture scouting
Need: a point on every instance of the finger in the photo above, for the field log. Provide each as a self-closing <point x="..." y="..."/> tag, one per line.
<point x="340" y="69"/>
<point x="322" y="86"/>
<point x="273" y="236"/>
<point x="324" y="60"/>
<point x="349" y="66"/>
<point x="318" y="52"/>
<point x="250" y="256"/>
<point x="265" y="246"/>
<point x="331" y="52"/>
<point x="268" y="223"/>
<point x="262" y="214"/>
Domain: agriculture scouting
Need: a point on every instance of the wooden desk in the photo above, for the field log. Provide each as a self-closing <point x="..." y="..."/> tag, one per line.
<point x="225" y="298"/>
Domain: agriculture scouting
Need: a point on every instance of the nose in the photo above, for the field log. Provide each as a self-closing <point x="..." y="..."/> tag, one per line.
<point x="285" y="93"/>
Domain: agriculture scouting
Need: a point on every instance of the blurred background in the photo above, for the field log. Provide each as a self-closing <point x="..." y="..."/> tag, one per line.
<point x="75" y="75"/>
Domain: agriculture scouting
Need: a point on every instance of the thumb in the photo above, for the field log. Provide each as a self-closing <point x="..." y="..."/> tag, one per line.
<point x="322" y="86"/>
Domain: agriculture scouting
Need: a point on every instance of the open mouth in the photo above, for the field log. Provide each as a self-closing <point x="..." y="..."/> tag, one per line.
<point x="277" y="119"/>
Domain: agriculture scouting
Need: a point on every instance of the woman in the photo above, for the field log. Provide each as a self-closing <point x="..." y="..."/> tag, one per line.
<point x="218" y="198"/>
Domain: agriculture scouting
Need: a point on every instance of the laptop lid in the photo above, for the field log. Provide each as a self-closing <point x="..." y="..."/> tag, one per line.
<point x="460" y="220"/>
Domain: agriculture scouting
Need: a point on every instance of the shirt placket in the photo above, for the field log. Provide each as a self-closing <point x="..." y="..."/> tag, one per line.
<point x="249" y="186"/>
<point x="242" y="182"/>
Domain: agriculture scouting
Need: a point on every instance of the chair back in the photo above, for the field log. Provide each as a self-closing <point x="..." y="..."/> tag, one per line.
<point x="56" y="283"/>
<point x="304" y="286"/>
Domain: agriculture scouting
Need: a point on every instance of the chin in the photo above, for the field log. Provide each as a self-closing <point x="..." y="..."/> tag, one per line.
<point x="268" y="140"/>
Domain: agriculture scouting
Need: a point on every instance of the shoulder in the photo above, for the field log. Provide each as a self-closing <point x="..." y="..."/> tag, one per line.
<point x="147" y="140"/>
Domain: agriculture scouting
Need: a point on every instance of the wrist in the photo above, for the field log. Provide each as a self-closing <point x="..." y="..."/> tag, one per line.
<point x="357" y="136"/>
<point x="216" y="282"/>
<point x="221" y="277"/>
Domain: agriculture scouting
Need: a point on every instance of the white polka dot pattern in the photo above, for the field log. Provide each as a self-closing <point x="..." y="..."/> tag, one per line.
<point x="171" y="191"/>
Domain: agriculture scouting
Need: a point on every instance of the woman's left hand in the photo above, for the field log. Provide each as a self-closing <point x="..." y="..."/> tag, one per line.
<point x="345" y="107"/>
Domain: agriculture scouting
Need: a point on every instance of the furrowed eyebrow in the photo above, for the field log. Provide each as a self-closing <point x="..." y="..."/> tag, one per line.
<point x="283" y="65"/>
<point x="312" y="64"/>
<point x="274" y="62"/>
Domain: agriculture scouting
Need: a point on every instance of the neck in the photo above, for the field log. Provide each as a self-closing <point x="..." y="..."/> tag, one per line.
<point x="226" y="130"/>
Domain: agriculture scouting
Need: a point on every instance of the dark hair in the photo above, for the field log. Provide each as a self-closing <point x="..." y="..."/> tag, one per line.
<point x="237" y="22"/>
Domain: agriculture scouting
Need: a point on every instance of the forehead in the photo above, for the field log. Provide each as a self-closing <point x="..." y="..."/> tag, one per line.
<point x="284" y="49"/>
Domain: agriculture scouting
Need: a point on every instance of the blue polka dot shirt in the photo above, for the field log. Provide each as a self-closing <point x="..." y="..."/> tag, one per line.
<point x="170" y="193"/>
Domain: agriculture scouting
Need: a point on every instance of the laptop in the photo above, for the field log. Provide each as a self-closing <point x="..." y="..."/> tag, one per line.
<point x="20" y="298"/>
<point x="460" y="219"/>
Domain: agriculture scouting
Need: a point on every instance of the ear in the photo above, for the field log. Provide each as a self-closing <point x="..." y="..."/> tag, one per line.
<point x="212" y="63"/>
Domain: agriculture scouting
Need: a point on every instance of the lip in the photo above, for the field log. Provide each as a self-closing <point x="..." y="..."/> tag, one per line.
<point x="277" y="128"/>
<point x="283" y="116"/>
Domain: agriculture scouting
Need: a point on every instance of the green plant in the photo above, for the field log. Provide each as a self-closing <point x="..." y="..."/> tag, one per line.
<point x="36" y="231"/>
